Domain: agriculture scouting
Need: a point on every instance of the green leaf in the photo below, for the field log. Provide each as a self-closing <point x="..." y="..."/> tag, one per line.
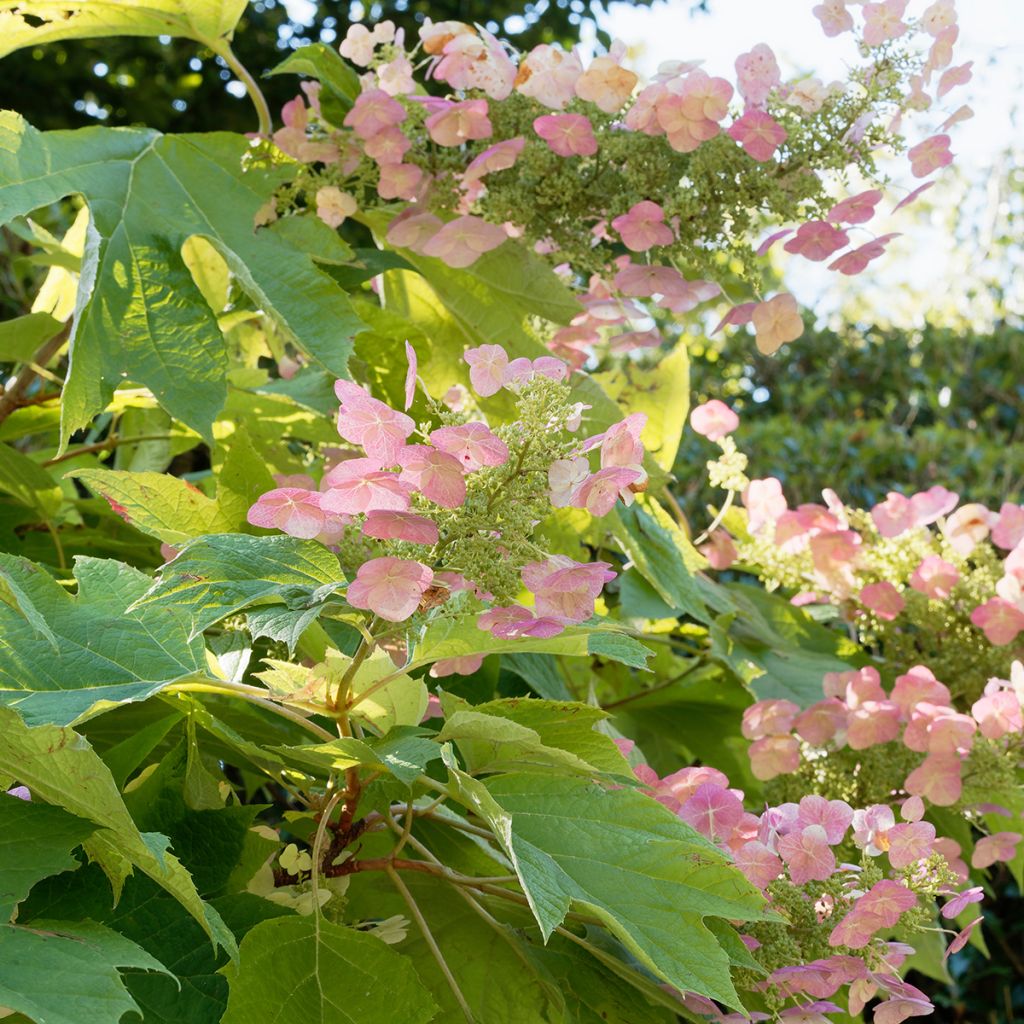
<point x="28" y="483"/>
<point x="61" y="972"/>
<point x="622" y="856"/>
<point x="459" y="636"/>
<point x="216" y="576"/>
<point x="36" y="841"/>
<point x="205" y="21"/>
<point x="400" y="701"/>
<point x="141" y="315"/>
<point x="310" y="970"/>
<point x="60" y="767"/>
<point x="22" y="336"/>
<point x="68" y="658"/>
<point x="405" y="752"/>
<point x="661" y="553"/>
<point x="539" y="672"/>
<point x="323" y="63"/>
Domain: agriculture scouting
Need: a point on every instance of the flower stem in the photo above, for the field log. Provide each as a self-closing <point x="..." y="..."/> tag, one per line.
<point x="223" y="50"/>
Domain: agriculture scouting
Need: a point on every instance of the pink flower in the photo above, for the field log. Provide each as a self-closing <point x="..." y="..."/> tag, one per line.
<point x="871" y="723"/>
<point x="461" y="242"/>
<point x="910" y="842"/>
<point x="360" y="485"/>
<point x="916" y="685"/>
<point x="1001" y="846"/>
<point x="472" y="61"/>
<point x="412" y="230"/>
<point x="834" y="816"/>
<point x="858" y="209"/>
<point x="997" y="714"/>
<point x="606" y="83"/>
<point x="1009" y="529"/>
<point x="566" y="590"/>
<point x="880" y="907"/>
<point x="719" y="550"/>
<point x="365" y="421"/>
<point x="292" y="510"/>
<point x="807" y="854"/>
<point x="714" y="420"/>
<point x="773" y="756"/>
<point x="621" y="445"/>
<point x="713" y="811"/>
<point x="459" y="123"/>
<point x="410" y="374"/>
<point x="967" y="527"/>
<point x="962" y="901"/>
<point x="548" y="74"/>
<point x="959" y="941"/>
<point x="871" y="827"/>
<point x="487" y="364"/>
<point x="938" y="17"/>
<point x="758" y="863"/>
<point x="564" y="477"/>
<point x="388" y="146"/>
<point x="757" y="73"/>
<point x="776" y="322"/>
<point x="690" y="112"/>
<point x="567" y="134"/>
<point x="509" y="623"/>
<point x="954" y="77"/>
<point x="599" y="492"/>
<point x="759" y="134"/>
<point x="932" y="504"/>
<point x="643" y="227"/>
<point x="883" y="599"/>
<point x="929" y="155"/>
<point x="894" y="516"/>
<point x="472" y="444"/>
<point x="389" y="587"/>
<point x="435" y="474"/>
<point x="499" y="157"/>
<point x="935" y="578"/>
<point x="913" y="196"/>
<point x="373" y="112"/>
<point x="400" y="181"/>
<point x="333" y="205"/>
<point x="856" y="260"/>
<point x="817" y="240"/>
<point x="937" y="780"/>
<point x="883" y="21"/>
<point x="400" y="526"/>
<point x="999" y="620"/>
<point x="463" y="666"/>
<point x="821" y="721"/>
<point x="834" y="17"/>
<point x="898" y="1008"/>
<point x="769" y="718"/>
<point x="764" y="502"/>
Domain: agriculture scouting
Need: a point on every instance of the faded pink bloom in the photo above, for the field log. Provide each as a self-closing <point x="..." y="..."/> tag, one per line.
<point x="883" y="21"/>
<point x="758" y="863"/>
<point x="883" y="599"/>
<point x="932" y="504"/>
<point x="462" y="666"/>
<point x="759" y="134"/>
<point x="719" y="550"/>
<point x="389" y="587"/>
<point x="690" y="112"/>
<point x="388" y="146"/>
<point x="358" y="45"/>
<point x="292" y="138"/>
<point x="333" y="205"/>
<point x="757" y="73"/>
<point x="880" y="907"/>
<point x="834" y="816"/>
<point x="410" y="374"/>
<point x="400" y="526"/>
<point x="713" y="811"/>
<point x="373" y="112"/>
<point x="834" y="17"/>
<point x="949" y="849"/>
<point x="871" y="826"/>
<point x="871" y="723"/>
<point x="764" y="502"/>
<point x="487" y="365"/>
<point x="935" y="577"/>
<point x="566" y="590"/>
<point x="564" y="477"/>
<point x="916" y="685"/>
<point x="606" y="84"/>
<point x="400" y="181"/>
<point x="472" y="61"/>
<point x="913" y="196"/>
<point x="894" y="516"/>
<point x="817" y="240"/>
<point x="929" y="155"/>
<point x="967" y="527"/>
<point x="938" y="17"/>
<point x="459" y="123"/>
<point x="961" y="901"/>
<point x="412" y="230"/>
<point x="396" y="76"/>
<point x="959" y="941"/>
<point x="998" y="714"/>
<point x="548" y="74"/>
<point x="682" y="784"/>
<point x="365" y="421"/>
<point x="953" y="77"/>
<point x="858" y="209"/>
<point x="714" y="420"/>
<point x="599" y="492"/>
<point x="461" y="242"/>
<point x="762" y="250"/>
<point x="293" y="510"/>
<point x="473" y="444"/>
<point x="567" y="134"/>
<point x="621" y="446"/>
<point x="939" y="730"/>
<point x="937" y="780"/>
<point x="738" y="316"/>
<point x="912" y="809"/>
<point x="435" y="474"/>
<point x="910" y="842"/>
<point x="643" y="227"/>
<point x="776" y="322"/>
<point x="856" y="260"/>
<point x="360" y="485"/>
<point x="1008" y="531"/>
<point x="807" y="854"/>
<point x="1000" y="846"/>
<point x="773" y="756"/>
<point x="499" y="157"/>
<point x="769" y="718"/>
<point x="898" y="1008"/>
<point x="821" y="721"/>
<point x="516" y="621"/>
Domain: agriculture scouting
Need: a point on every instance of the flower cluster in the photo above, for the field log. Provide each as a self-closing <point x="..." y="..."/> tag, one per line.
<point x="423" y="511"/>
<point x="590" y="167"/>
<point x="843" y="881"/>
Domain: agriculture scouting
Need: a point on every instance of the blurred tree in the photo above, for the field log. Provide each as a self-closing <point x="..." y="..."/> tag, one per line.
<point x="177" y="86"/>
